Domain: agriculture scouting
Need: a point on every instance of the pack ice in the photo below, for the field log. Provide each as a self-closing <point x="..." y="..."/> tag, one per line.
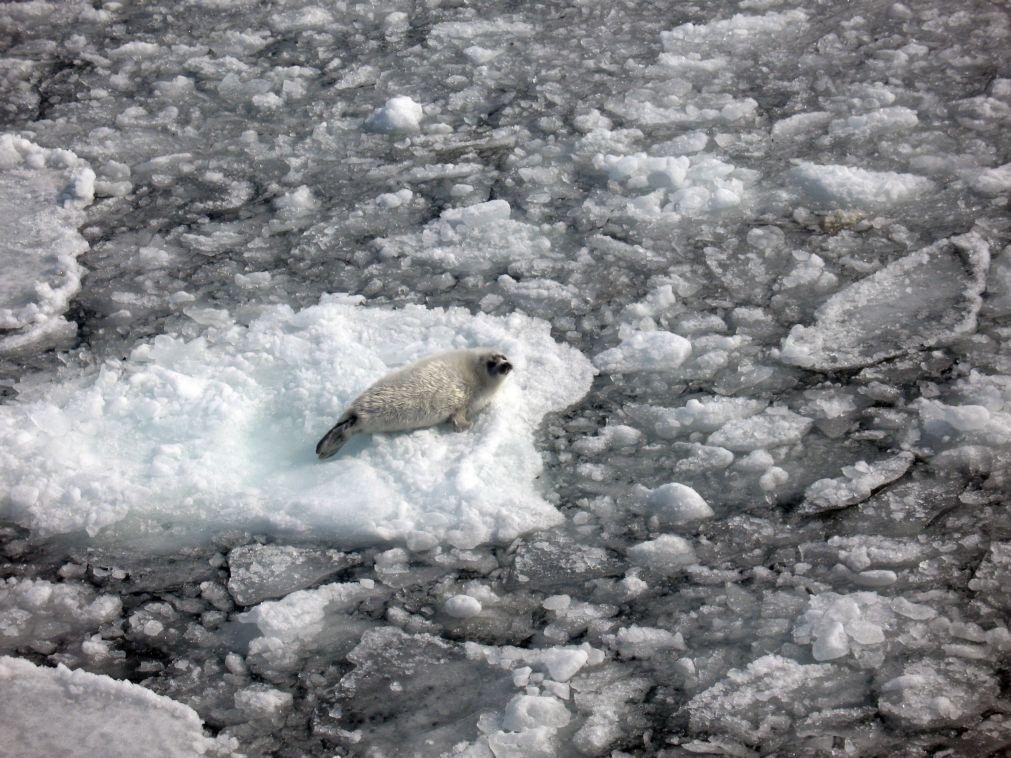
<point x="187" y="436"/>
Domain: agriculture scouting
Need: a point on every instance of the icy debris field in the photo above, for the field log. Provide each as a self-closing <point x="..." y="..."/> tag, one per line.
<point x="747" y="492"/>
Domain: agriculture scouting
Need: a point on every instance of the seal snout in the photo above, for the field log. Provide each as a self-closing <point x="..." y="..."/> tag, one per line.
<point x="498" y="365"/>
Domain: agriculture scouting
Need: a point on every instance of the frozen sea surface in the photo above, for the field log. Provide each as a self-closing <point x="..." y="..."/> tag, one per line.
<point x="747" y="492"/>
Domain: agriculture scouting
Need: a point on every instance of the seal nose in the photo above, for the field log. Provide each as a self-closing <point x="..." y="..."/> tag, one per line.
<point x="505" y="367"/>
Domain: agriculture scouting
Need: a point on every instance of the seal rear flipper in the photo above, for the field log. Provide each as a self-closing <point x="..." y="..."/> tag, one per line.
<point x="334" y="439"/>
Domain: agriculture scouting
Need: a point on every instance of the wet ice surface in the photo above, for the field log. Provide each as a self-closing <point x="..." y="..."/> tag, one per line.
<point x="777" y="518"/>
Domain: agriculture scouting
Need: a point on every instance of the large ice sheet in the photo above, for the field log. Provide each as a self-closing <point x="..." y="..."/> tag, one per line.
<point x="73" y="713"/>
<point x="41" y="193"/>
<point x="921" y="300"/>
<point x="186" y="436"/>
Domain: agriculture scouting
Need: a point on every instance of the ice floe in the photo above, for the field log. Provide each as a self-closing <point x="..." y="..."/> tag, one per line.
<point x="56" y="711"/>
<point x="42" y="192"/>
<point x="217" y="431"/>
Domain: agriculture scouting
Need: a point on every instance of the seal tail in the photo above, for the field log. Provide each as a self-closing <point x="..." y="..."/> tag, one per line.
<point x="334" y="439"/>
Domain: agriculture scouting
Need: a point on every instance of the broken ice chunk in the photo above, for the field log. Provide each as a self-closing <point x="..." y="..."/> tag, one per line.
<point x="676" y="504"/>
<point x="992" y="580"/>
<point x="773" y="479"/>
<point x="760" y="703"/>
<point x="303" y="622"/>
<point x="559" y="663"/>
<point x="644" y="351"/>
<point x="35" y="614"/>
<point x="474" y="239"/>
<point x="646" y="642"/>
<point x="554" y="560"/>
<point x="418" y="690"/>
<point x="55" y="711"/>
<point x="832" y="186"/>
<point x="667" y="554"/>
<point x="830" y="642"/>
<point x="260" y="701"/>
<point x="776" y="426"/>
<point x="264" y="572"/>
<point x="398" y="114"/>
<point x="462" y="606"/>
<point x="612" y="436"/>
<point x="992" y="181"/>
<point x="856" y="484"/>
<point x="41" y="192"/>
<point x="937" y="694"/>
<point x="529" y="711"/>
<point x="696" y="458"/>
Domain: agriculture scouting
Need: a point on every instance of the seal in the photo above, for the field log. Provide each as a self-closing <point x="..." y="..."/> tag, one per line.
<point x="452" y="386"/>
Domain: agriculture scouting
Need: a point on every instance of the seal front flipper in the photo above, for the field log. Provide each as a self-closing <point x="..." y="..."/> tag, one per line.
<point x="334" y="439"/>
<point x="460" y="421"/>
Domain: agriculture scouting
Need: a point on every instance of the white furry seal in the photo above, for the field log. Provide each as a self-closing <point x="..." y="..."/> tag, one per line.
<point x="451" y="386"/>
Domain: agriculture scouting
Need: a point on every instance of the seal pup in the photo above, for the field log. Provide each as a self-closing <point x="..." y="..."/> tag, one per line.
<point x="452" y="386"/>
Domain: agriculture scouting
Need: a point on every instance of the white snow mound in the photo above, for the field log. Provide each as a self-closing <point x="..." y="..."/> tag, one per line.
<point x="678" y="504"/>
<point x="188" y="436"/>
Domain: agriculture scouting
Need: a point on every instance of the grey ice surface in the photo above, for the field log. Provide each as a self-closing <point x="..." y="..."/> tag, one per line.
<point x="780" y="232"/>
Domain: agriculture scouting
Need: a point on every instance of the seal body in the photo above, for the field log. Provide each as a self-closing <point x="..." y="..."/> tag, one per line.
<point x="452" y="386"/>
